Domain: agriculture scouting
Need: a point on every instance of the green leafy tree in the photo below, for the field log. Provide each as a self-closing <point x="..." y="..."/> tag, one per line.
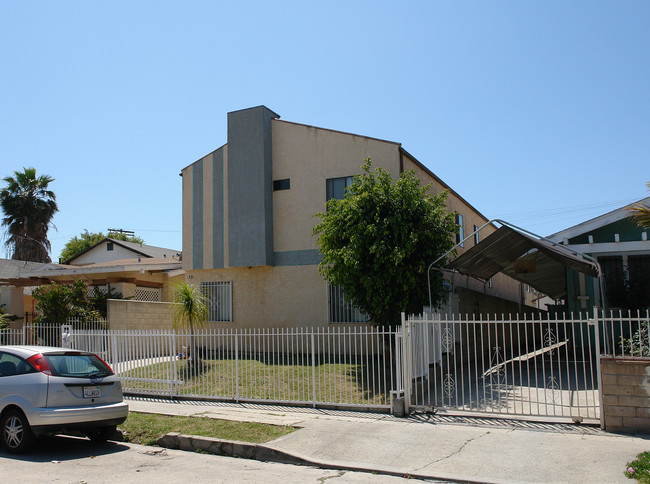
<point x="28" y="207"/>
<point x="98" y="300"/>
<point x="378" y="241"/>
<point x="56" y="303"/>
<point x="4" y="320"/>
<point x="77" y="245"/>
<point x="640" y="212"/>
<point x="190" y="312"/>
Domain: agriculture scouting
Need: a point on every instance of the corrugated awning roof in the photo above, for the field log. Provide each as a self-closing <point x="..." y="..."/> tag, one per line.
<point x="535" y="262"/>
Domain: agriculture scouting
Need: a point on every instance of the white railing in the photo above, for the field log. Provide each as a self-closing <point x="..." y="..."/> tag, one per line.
<point x="626" y="334"/>
<point x="12" y="337"/>
<point x="342" y="366"/>
<point x="45" y="334"/>
<point x="525" y="367"/>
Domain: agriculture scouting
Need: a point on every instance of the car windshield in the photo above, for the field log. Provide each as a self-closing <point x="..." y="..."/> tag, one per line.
<point x="77" y="365"/>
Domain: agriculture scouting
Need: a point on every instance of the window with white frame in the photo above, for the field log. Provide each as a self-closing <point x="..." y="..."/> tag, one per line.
<point x="218" y="298"/>
<point x="341" y="311"/>
<point x="475" y="234"/>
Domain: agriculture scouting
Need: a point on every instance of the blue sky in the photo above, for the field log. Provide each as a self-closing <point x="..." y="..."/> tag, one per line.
<point x="534" y="112"/>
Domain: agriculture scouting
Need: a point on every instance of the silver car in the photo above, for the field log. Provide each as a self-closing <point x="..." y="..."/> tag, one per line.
<point x="46" y="390"/>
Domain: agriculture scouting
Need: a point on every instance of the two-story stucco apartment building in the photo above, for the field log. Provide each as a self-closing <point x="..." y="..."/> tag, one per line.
<point x="248" y="215"/>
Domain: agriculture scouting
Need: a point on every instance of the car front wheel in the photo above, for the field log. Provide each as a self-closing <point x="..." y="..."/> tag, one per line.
<point x="17" y="435"/>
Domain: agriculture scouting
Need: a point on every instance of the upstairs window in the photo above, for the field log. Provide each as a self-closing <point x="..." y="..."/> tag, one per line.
<point x="109" y="245"/>
<point x="335" y="187"/>
<point x="461" y="230"/>
<point x="475" y="234"/>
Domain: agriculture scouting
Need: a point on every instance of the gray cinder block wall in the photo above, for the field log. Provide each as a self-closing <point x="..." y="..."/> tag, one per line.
<point x="626" y="394"/>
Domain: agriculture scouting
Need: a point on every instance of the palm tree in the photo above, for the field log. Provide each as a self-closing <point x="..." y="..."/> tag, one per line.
<point x="640" y="212"/>
<point x="190" y="312"/>
<point x="28" y="208"/>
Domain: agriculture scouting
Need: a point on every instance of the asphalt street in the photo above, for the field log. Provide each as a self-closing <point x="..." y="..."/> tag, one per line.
<point x="70" y="460"/>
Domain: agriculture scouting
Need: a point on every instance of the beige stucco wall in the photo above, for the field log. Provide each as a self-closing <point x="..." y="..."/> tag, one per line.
<point x="277" y="297"/>
<point x="170" y="284"/>
<point x="308" y="156"/>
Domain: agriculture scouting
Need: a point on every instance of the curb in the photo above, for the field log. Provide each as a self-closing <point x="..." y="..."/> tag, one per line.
<point x="261" y="452"/>
<point x="229" y="448"/>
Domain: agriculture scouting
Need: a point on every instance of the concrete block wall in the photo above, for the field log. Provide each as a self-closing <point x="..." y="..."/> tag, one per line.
<point x="626" y="394"/>
<point x="127" y="314"/>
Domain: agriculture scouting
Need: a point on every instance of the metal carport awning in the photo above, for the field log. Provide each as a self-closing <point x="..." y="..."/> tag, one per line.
<point x="529" y="259"/>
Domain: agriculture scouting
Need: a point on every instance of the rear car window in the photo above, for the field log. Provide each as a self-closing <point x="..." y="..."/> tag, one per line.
<point x="77" y="365"/>
<point x="13" y="365"/>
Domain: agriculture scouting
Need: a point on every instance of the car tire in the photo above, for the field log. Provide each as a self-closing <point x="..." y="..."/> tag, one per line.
<point x="17" y="435"/>
<point x="102" y="434"/>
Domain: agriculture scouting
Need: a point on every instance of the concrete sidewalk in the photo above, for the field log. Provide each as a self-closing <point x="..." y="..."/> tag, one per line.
<point x="434" y="447"/>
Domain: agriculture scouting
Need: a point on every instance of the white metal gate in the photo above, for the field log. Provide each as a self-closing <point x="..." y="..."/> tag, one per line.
<point x="515" y="367"/>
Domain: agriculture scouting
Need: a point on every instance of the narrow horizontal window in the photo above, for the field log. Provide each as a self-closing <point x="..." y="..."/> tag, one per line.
<point x="283" y="184"/>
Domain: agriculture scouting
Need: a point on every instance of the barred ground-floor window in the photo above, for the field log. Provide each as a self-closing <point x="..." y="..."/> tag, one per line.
<point x="341" y="311"/>
<point x="218" y="299"/>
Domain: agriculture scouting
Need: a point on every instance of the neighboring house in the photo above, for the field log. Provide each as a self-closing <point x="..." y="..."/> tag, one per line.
<point x="622" y="249"/>
<point x="112" y="249"/>
<point x="138" y="272"/>
<point x="140" y="279"/>
<point x="16" y="288"/>
<point x="248" y="216"/>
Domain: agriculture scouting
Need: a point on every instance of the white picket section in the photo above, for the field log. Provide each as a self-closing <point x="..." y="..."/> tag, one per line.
<point x="347" y="367"/>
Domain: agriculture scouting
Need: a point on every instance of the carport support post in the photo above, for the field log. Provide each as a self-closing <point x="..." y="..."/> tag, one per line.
<point x="237" y="366"/>
<point x="598" y="375"/>
<point x="313" y="369"/>
<point x="406" y="366"/>
<point x="174" y="368"/>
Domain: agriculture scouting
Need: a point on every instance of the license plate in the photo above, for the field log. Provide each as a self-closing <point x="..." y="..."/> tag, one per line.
<point x="91" y="392"/>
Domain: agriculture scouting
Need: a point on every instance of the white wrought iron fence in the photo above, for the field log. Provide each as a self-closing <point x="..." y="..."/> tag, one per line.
<point x="45" y="334"/>
<point x="524" y="367"/>
<point x="626" y="334"/>
<point x="342" y="366"/>
<point x="11" y="337"/>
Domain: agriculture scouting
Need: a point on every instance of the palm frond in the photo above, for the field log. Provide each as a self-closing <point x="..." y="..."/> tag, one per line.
<point x="190" y="310"/>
